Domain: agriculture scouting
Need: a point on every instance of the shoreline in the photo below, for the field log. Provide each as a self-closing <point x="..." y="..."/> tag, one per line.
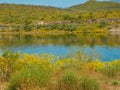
<point x="55" y="32"/>
<point x="112" y="31"/>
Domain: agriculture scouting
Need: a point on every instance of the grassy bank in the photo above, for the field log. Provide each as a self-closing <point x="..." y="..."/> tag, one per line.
<point x="49" y="72"/>
<point x="54" y="32"/>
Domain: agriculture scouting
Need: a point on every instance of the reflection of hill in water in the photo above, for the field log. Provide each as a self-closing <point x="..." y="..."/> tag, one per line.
<point x="67" y="40"/>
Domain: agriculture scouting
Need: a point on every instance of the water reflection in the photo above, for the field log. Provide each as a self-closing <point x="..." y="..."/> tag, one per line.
<point x="108" y="46"/>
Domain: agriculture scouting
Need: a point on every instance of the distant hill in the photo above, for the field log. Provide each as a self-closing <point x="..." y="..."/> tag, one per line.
<point x="92" y="14"/>
<point x="93" y="5"/>
<point x="17" y="13"/>
<point x="114" y="0"/>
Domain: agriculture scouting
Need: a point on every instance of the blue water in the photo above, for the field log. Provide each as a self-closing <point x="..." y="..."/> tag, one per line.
<point x="103" y="48"/>
<point x="105" y="53"/>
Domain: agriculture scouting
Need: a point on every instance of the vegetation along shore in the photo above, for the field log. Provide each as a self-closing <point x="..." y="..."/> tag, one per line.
<point x="49" y="72"/>
<point x="92" y="16"/>
<point x="89" y="24"/>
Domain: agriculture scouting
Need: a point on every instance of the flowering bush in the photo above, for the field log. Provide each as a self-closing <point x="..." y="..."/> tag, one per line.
<point x="95" y="65"/>
<point x="25" y="71"/>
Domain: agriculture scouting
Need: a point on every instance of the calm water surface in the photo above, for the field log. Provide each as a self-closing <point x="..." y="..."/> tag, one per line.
<point x="104" y="47"/>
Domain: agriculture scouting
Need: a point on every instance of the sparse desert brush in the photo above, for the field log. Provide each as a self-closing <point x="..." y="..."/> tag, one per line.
<point x="8" y="63"/>
<point x="111" y="69"/>
<point x="32" y="71"/>
<point x="30" y="76"/>
<point x="69" y="81"/>
<point x="87" y="83"/>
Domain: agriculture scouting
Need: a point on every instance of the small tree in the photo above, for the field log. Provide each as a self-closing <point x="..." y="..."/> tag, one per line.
<point x="27" y="25"/>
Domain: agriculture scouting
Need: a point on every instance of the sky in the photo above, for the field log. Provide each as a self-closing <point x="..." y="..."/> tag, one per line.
<point x="55" y="3"/>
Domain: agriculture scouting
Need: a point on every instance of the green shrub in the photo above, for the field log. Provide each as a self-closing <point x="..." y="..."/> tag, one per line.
<point x="111" y="70"/>
<point x="9" y="54"/>
<point x="87" y="83"/>
<point x="30" y="76"/>
<point x="69" y="81"/>
<point x="115" y="82"/>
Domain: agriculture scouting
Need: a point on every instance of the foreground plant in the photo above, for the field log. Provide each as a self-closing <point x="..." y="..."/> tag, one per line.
<point x="88" y="83"/>
<point x="69" y="81"/>
<point x="111" y="69"/>
<point x="30" y="76"/>
<point x="8" y="63"/>
<point x="46" y="72"/>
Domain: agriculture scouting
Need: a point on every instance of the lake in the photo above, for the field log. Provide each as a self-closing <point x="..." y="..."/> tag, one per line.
<point x="104" y="47"/>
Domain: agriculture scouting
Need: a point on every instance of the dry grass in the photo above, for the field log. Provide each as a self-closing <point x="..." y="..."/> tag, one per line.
<point x="3" y="85"/>
<point x="38" y="73"/>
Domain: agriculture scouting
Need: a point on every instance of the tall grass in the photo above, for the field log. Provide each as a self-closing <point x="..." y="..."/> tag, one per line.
<point x="111" y="69"/>
<point x="89" y="84"/>
<point x="30" y="76"/>
<point x="69" y="81"/>
<point x="32" y="72"/>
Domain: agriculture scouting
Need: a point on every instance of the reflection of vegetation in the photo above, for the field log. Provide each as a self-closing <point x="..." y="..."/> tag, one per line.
<point x="51" y="73"/>
<point x="68" y="40"/>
